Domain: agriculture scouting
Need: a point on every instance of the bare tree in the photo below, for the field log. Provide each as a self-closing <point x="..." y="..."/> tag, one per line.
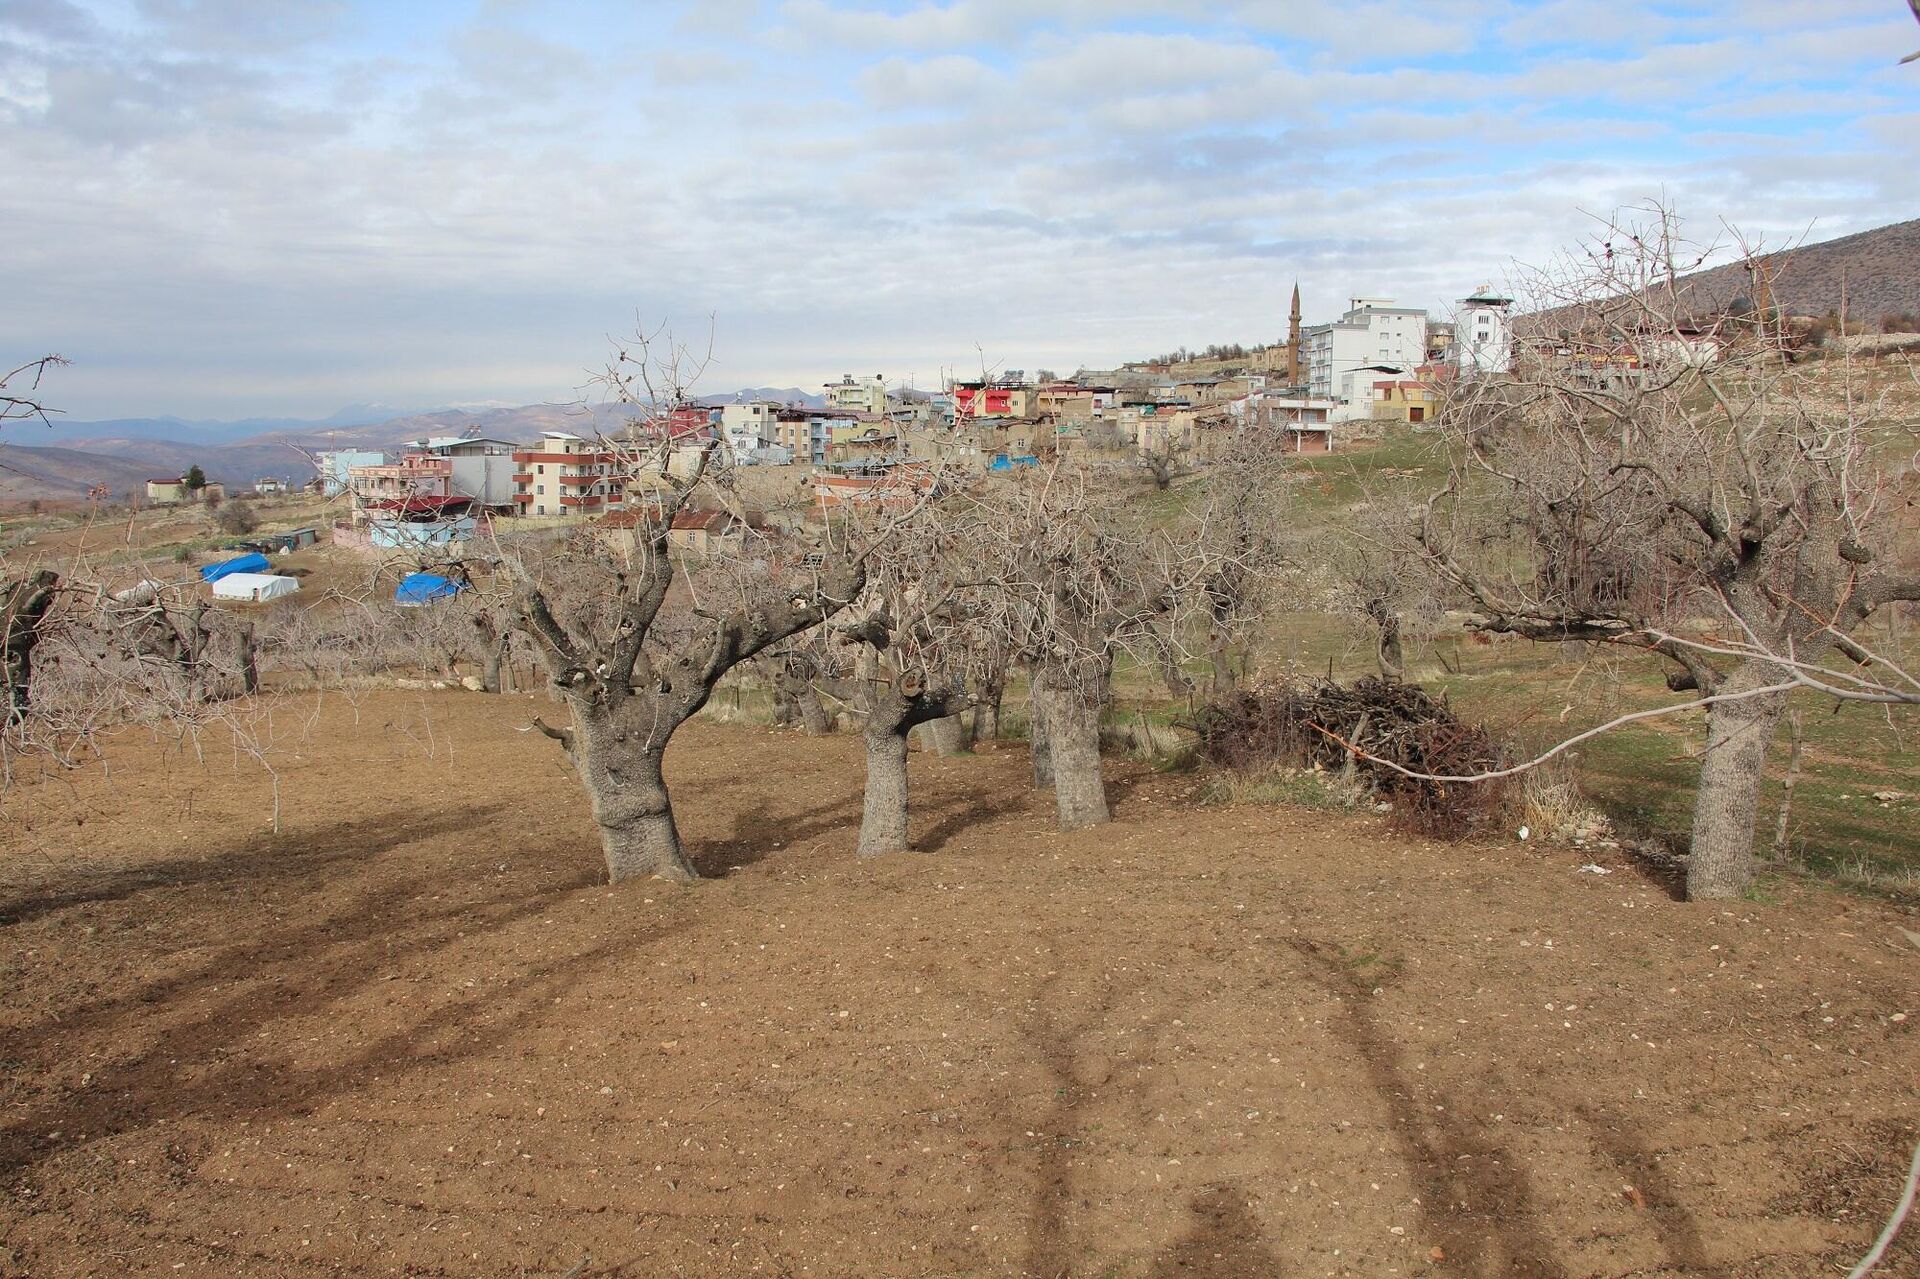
<point x="1647" y="480"/>
<point x="1073" y="582"/>
<point x="1362" y="565"/>
<point x="913" y="639"/>
<point x="634" y="640"/>
<point x="1166" y="460"/>
<point x="1248" y="540"/>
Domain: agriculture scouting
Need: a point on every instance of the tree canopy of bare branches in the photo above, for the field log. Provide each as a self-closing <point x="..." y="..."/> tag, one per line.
<point x="1666" y="481"/>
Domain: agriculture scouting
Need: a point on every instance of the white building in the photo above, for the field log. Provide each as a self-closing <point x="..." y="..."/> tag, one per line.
<point x="748" y="428"/>
<point x="1483" y="333"/>
<point x="858" y="395"/>
<point x="1373" y="339"/>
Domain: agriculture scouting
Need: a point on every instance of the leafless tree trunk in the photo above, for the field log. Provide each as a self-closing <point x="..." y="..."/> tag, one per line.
<point x="622" y="773"/>
<point x="986" y="708"/>
<point x="27" y="602"/>
<point x="246" y="661"/>
<point x="1727" y="801"/>
<point x="1071" y="710"/>
<point x="1039" y="732"/>
<point x="796" y="697"/>
<point x="893" y="709"/>
<point x="1386" y="621"/>
<point x="946" y="736"/>
<point x="1220" y="657"/>
<point x="883" y="816"/>
<point x="1783" y="819"/>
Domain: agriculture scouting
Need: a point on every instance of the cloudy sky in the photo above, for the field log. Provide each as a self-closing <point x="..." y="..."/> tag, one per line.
<point x="224" y="208"/>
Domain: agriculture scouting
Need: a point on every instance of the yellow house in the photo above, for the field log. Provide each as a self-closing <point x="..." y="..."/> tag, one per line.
<point x="1405" y="402"/>
<point x="863" y="442"/>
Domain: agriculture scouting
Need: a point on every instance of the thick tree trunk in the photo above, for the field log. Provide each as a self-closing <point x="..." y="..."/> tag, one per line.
<point x="946" y="736"/>
<point x="1073" y="723"/>
<point x="986" y="718"/>
<point x="1727" y="802"/>
<point x="785" y="710"/>
<point x="622" y="774"/>
<point x="814" y="720"/>
<point x="647" y="846"/>
<point x="1039" y="734"/>
<point x="883" y="819"/>
<point x="1225" y="678"/>
<point x="246" y="659"/>
<point x="490" y="681"/>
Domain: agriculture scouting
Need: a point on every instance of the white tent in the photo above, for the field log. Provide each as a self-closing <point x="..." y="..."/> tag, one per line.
<point x="254" y="587"/>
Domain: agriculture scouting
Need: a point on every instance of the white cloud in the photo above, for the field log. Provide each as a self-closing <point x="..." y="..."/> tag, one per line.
<point x="214" y="212"/>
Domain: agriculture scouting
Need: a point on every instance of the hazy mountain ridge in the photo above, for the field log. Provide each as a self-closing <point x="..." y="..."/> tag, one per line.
<point x="63" y="461"/>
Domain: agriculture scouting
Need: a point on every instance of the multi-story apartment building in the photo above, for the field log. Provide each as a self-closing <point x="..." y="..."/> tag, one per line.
<point x="567" y="475"/>
<point x="748" y="428"/>
<point x="857" y="395"/>
<point x="335" y="466"/>
<point x="414" y="475"/>
<point x="808" y="433"/>
<point x="1345" y="358"/>
<point x="1483" y="334"/>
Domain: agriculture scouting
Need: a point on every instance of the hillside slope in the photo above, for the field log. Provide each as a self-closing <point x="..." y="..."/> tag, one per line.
<point x="1871" y="274"/>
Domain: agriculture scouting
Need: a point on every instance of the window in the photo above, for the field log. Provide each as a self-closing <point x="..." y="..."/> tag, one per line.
<point x="541" y="490"/>
<point x="539" y="469"/>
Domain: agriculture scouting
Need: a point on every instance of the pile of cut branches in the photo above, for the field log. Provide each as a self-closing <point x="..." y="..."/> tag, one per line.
<point x="1361" y="729"/>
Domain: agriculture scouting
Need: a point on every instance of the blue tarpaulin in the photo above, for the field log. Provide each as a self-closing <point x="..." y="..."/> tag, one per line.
<point x="245" y="564"/>
<point x="425" y="588"/>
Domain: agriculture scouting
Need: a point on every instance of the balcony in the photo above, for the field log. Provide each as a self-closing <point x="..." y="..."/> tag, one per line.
<point x="522" y="477"/>
<point x="584" y="501"/>
<point x="565" y="459"/>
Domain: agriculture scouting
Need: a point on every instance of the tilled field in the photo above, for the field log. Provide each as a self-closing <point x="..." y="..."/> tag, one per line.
<point x="412" y="1034"/>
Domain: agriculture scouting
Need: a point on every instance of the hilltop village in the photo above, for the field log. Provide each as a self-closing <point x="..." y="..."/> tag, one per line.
<point x="1378" y="363"/>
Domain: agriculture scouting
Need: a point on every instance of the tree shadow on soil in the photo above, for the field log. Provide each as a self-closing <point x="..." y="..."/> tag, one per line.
<point x="1679" y="1234"/>
<point x="1075" y="1072"/>
<point x="1223" y="1242"/>
<point x="1474" y="1201"/>
<point x="261" y="859"/>
<point x="965" y="814"/>
<point x="203" y="1042"/>
<point x="757" y="834"/>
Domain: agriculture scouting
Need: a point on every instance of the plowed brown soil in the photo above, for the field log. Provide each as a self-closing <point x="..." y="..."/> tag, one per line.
<point x="412" y="1034"/>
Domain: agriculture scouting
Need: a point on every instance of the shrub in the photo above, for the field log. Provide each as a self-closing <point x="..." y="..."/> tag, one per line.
<point x="236" y="518"/>
<point x="1365" y="726"/>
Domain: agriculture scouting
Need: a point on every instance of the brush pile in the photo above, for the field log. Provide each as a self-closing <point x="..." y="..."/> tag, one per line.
<point x="1358" y="729"/>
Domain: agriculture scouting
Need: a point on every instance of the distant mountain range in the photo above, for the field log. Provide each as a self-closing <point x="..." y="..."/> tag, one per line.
<point x="63" y="460"/>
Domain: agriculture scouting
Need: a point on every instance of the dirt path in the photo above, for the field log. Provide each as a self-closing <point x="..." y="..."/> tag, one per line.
<point x="412" y="1035"/>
